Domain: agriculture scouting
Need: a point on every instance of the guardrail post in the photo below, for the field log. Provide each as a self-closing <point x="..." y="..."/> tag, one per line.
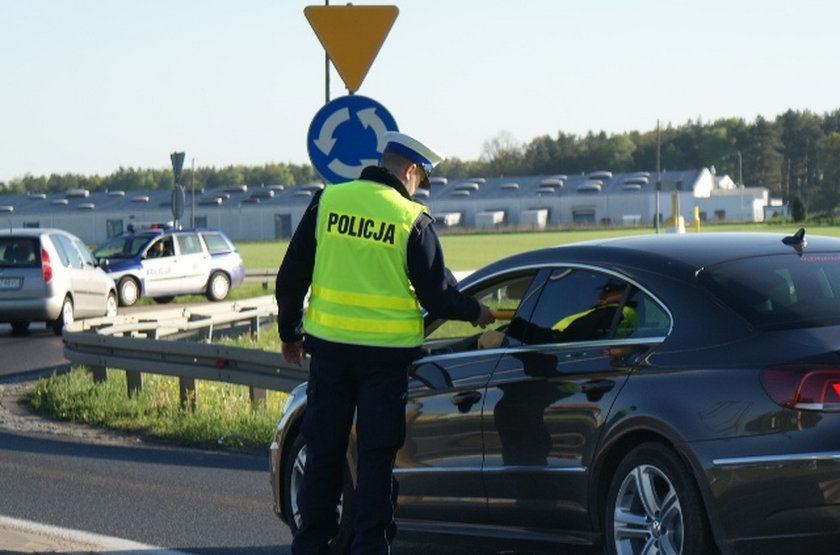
<point x="206" y="334"/>
<point x="255" y="327"/>
<point x="257" y="397"/>
<point x="187" y="393"/>
<point x="99" y="373"/>
<point x="134" y="379"/>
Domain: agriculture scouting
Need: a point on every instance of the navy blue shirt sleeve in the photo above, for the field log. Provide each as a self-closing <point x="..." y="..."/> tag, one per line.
<point x="295" y="275"/>
<point x="432" y="282"/>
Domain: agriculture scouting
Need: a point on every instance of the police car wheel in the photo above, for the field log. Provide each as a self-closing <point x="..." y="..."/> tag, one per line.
<point x="129" y="291"/>
<point x="218" y="286"/>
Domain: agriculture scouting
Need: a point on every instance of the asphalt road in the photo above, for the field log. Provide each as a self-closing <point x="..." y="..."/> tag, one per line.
<point x="193" y="501"/>
<point x="202" y="502"/>
<point x="40" y="350"/>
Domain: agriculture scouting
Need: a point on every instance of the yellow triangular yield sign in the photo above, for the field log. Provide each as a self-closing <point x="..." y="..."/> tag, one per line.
<point x="352" y="36"/>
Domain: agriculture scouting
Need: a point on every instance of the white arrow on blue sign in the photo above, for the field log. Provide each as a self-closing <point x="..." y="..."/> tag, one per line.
<point x="345" y="136"/>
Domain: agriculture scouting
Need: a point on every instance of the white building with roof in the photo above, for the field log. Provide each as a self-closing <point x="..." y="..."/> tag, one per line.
<point x="526" y="202"/>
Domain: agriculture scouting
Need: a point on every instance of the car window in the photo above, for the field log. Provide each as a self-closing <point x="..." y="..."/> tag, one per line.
<point x="216" y="243"/>
<point x="67" y="253"/>
<point x="586" y="305"/>
<point x="189" y="243"/>
<point x="125" y="246"/>
<point x="19" y="252"/>
<point x="578" y="305"/>
<point x="504" y="296"/>
<point x="161" y="248"/>
<point x="783" y="291"/>
<point x="84" y="252"/>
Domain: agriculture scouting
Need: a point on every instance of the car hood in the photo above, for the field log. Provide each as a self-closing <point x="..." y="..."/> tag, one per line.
<point x="117" y="264"/>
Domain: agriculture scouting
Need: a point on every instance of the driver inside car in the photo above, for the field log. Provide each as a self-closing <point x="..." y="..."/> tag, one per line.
<point x="592" y="323"/>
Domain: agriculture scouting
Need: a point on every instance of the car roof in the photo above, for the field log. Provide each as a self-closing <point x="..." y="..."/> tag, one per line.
<point x="704" y="249"/>
<point x="31" y="231"/>
<point x="666" y="253"/>
<point x="168" y="230"/>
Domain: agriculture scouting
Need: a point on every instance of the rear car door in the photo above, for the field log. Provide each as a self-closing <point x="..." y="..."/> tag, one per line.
<point x="87" y="290"/>
<point x="193" y="262"/>
<point x="565" y="358"/>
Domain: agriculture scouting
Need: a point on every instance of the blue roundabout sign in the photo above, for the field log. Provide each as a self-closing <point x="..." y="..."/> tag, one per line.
<point x="345" y="136"/>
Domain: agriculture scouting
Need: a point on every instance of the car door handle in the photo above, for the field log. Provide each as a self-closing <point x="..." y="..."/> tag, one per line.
<point x="596" y="388"/>
<point x="464" y="401"/>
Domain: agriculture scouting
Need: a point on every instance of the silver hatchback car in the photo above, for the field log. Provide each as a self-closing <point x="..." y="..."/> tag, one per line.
<point x="49" y="275"/>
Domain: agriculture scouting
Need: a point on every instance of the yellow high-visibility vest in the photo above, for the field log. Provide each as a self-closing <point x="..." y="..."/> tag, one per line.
<point x="626" y="325"/>
<point x="360" y="291"/>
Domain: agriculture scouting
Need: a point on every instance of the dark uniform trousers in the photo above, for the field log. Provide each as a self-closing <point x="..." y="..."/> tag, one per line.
<point x="376" y="393"/>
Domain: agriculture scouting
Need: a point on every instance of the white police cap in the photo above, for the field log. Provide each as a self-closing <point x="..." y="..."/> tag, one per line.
<point x="412" y="149"/>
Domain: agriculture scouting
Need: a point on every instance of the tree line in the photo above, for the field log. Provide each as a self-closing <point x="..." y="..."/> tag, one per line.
<point x="796" y="156"/>
<point x="131" y="179"/>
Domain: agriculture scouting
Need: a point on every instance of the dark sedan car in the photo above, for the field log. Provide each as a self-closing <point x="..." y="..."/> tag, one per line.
<point x="650" y="394"/>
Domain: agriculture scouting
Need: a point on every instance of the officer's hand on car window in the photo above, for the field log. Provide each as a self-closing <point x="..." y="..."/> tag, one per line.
<point x="485" y="317"/>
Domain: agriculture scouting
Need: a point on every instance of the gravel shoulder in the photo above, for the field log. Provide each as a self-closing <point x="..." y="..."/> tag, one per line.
<point x="16" y="416"/>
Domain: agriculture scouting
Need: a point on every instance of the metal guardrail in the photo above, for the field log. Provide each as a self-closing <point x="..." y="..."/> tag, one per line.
<point x="261" y="275"/>
<point x="132" y="343"/>
<point x="200" y="321"/>
<point x="200" y="361"/>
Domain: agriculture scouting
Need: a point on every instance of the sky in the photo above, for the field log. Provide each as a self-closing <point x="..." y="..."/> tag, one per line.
<point x="90" y="86"/>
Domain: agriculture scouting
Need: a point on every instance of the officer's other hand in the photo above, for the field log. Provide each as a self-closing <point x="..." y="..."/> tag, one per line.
<point x="485" y="317"/>
<point x="490" y="339"/>
<point x="292" y="352"/>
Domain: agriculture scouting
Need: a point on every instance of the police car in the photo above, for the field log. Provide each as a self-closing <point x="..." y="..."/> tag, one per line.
<point x="161" y="262"/>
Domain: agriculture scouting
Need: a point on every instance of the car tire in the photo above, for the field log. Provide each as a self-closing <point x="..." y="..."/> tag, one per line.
<point x="19" y="326"/>
<point x="129" y="291"/>
<point x="218" y="286"/>
<point x="654" y="506"/>
<point x="292" y="480"/>
<point x="111" y="305"/>
<point x="65" y="317"/>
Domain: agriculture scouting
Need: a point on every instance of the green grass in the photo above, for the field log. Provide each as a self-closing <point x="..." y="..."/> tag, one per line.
<point x="223" y="418"/>
<point x="468" y="251"/>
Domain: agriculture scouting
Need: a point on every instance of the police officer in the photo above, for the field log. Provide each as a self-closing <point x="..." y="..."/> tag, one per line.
<point x="370" y="258"/>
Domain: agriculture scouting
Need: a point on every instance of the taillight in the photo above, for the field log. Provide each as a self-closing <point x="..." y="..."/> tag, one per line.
<point x="804" y="388"/>
<point x="46" y="267"/>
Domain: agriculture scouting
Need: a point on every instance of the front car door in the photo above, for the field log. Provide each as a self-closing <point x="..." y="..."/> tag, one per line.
<point x="439" y="466"/>
<point x="160" y="269"/>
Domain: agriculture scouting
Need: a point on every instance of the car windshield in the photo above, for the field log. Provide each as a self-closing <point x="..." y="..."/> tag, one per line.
<point x="127" y="246"/>
<point x="780" y="292"/>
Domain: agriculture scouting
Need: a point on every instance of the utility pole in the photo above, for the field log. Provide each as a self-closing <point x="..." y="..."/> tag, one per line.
<point x="658" y="179"/>
<point x="326" y="70"/>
